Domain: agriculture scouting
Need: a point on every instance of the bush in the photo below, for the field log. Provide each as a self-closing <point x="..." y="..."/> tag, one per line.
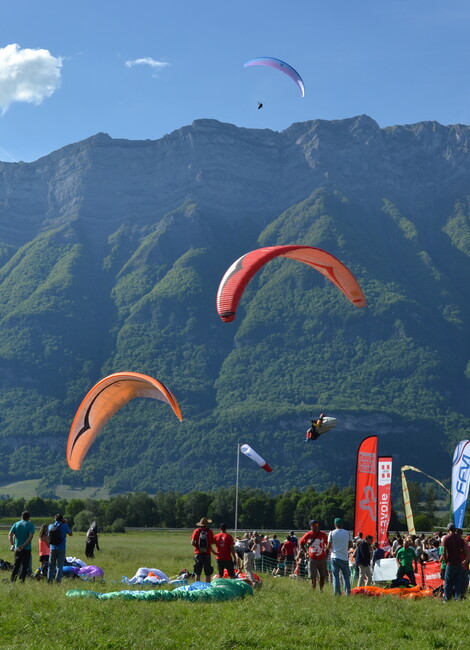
<point x="118" y="526"/>
<point x="423" y="523"/>
<point x="82" y="520"/>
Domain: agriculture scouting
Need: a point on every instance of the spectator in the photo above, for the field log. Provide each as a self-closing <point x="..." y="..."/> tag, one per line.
<point x="294" y="538"/>
<point x="338" y="543"/>
<point x="276" y="546"/>
<point x="406" y="556"/>
<point x="249" y="562"/>
<point x="58" y="532"/>
<point x="315" y="544"/>
<point x="378" y="553"/>
<point x="20" y="536"/>
<point x="44" y="548"/>
<point x="352" y="562"/>
<point x="266" y="553"/>
<point x="363" y="559"/>
<point x="240" y="547"/>
<point x="454" y="555"/>
<point x="202" y="539"/>
<point x="288" y="554"/>
<point x="225" y="554"/>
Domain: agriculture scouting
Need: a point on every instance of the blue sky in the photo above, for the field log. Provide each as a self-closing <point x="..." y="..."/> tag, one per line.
<point x="140" y="69"/>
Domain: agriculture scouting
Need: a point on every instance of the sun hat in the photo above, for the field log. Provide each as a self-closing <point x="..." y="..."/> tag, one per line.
<point x="204" y="521"/>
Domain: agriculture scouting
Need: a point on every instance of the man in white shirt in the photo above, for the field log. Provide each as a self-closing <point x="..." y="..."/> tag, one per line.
<point x="338" y="543"/>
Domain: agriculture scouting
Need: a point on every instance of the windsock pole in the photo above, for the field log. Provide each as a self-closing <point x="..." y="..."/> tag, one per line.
<point x="236" y="489"/>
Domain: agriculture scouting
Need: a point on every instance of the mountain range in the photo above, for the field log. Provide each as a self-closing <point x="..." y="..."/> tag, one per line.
<point x="111" y="252"/>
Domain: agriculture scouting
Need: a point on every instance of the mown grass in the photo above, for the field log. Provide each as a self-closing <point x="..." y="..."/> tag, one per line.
<point x="29" y="489"/>
<point x="282" y="614"/>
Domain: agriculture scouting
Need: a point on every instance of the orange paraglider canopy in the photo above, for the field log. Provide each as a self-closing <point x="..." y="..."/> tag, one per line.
<point x="240" y="273"/>
<point x="103" y="401"/>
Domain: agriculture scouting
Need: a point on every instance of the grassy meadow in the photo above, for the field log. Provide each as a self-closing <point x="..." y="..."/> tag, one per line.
<point x="284" y="613"/>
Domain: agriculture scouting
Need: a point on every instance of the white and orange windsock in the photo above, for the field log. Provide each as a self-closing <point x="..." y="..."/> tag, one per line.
<point x="251" y="453"/>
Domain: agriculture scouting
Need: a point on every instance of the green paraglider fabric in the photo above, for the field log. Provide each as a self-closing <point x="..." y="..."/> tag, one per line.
<point x="220" y="589"/>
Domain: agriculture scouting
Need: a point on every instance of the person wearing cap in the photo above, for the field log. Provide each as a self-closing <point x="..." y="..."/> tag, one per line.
<point x="338" y="543"/>
<point x="454" y="554"/>
<point x="315" y="542"/>
<point x="225" y="553"/>
<point x="202" y="539"/>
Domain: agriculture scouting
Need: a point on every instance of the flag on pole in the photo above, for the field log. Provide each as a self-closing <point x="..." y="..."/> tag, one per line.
<point x="460" y="481"/>
<point x="365" y="519"/>
<point x="384" y="499"/>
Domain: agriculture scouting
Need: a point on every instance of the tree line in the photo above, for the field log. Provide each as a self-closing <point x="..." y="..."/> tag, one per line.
<point x="256" y="509"/>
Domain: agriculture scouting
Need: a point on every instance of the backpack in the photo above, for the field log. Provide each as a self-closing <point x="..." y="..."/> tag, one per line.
<point x="55" y="536"/>
<point x="203" y="542"/>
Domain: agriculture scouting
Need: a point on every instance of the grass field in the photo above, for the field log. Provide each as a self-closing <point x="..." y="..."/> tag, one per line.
<point x="28" y="490"/>
<point x="282" y="614"/>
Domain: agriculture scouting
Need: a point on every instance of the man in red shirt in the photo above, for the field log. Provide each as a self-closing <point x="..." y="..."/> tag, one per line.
<point x="315" y="543"/>
<point x="288" y="554"/>
<point x="225" y="554"/>
<point x="202" y="539"/>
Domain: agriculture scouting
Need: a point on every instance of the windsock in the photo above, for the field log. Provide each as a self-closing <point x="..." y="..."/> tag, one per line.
<point x="251" y="453"/>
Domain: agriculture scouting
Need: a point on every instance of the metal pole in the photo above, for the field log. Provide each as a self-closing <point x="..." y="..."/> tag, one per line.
<point x="236" y="488"/>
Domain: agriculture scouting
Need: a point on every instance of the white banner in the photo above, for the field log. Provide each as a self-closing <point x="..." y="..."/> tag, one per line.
<point x="385" y="570"/>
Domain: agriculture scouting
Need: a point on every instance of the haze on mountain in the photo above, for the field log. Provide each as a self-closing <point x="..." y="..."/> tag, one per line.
<point x="111" y="252"/>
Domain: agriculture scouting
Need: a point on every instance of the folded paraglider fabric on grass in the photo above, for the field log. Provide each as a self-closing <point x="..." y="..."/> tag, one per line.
<point x="147" y="576"/>
<point x="81" y="569"/>
<point x="218" y="590"/>
<point x="401" y="592"/>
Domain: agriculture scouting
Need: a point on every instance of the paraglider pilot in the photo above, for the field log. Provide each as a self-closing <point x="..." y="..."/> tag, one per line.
<point x="313" y="433"/>
<point x="92" y="540"/>
<point x="260" y="105"/>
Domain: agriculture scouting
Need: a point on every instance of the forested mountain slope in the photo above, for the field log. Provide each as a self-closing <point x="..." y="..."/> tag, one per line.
<point x="111" y="252"/>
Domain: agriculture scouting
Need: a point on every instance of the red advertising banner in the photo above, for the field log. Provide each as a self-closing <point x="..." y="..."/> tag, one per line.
<point x="384" y="500"/>
<point x="431" y="575"/>
<point x="365" y="517"/>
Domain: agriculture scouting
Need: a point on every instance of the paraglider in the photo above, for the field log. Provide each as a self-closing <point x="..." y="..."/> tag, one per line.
<point x="282" y="66"/>
<point x="238" y="275"/>
<point x="251" y="453"/>
<point x="260" y="105"/>
<point x="319" y="426"/>
<point x="105" y="399"/>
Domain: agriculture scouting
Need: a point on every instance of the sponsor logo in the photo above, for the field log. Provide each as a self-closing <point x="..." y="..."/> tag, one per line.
<point x="461" y="485"/>
<point x="367" y="462"/>
<point x="369" y="502"/>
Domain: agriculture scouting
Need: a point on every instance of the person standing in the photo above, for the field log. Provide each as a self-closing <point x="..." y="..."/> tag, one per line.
<point x="20" y="536"/>
<point x="44" y="548"/>
<point x="58" y="532"/>
<point x="363" y="558"/>
<point x="225" y="553"/>
<point x="338" y="543"/>
<point x="454" y="555"/>
<point x="315" y="543"/>
<point x="406" y="556"/>
<point x="202" y="539"/>
<point x="91" y="540"/>
<point x="288" y="554"/>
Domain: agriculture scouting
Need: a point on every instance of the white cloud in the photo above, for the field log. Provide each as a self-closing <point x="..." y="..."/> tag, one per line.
<point x="27" y="75"/>
<point x="147" y="60"/>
